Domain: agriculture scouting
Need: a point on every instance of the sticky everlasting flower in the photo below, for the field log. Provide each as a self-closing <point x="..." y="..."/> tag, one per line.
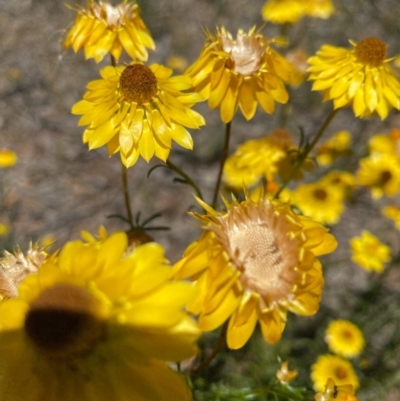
<point x="241" y="72"/>
<point x="254" y="262"/>
<point x="360" y="77"/>
<point x="284" y="375"/>
<point x="104" y="28"/>
<point x="335" y="367"/>
<point x="344" y="338"/>
<point x="369" y="252"/>
<point x="138" y="110"/>
<point x="97" y="324"/>
<point x="333" y="392"/>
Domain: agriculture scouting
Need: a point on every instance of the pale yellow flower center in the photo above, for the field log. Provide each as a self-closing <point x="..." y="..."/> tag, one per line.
<point x="256" y="242"/>
<point x="246" y="52"/>
<point x="371" y="51"/>
<point x="138" y="83"/>
<point x="113" y="16"/>
<point x="62" y="321"/>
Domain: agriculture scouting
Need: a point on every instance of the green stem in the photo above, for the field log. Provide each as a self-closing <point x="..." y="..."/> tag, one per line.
<point x="126" y="193"/>
<point x="224" y="156"/>
<point x="175" y="168"/>
<point x="308" y="148"/>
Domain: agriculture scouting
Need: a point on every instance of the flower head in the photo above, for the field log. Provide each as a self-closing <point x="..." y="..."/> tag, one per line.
<point x="360" y="77"/>
<point x="97" y="323"/>
<point x="369" y="252"/>
<point x="138" y="110"/>
<point x="344" y="338"/>
<point x="336" y="146"/>
<point x="338" y="369"/>
<point x="344" y="392"/>
<point x="7" y="158"/>
<point x="284" y="375"/>
<point x="240" y="72"/>
<point x="393" y="213"/>
<point x="386" y="144"/>
<point x="255" y="262"/>
<point x="104" y="28"/>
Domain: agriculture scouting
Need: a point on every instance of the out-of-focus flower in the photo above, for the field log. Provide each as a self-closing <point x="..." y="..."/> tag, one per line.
<point x="4" y="230"/>
<point x="344" y="392"/>
<point x="385" y="144"/>
<point x="342" y="180"/>
<point x="257" y="158"/>
<point x="138" y="111"/>
<point x="344" y="338"/>
<point x="177" y="63"/>
<point x="254" y="263"/>
<point x="369" y="252"/>
<point x="380" y="173"/>
<point x="336" y="146"/>
<point x="393" y="213"/>
<point x="14" y="267"/>
<point x="360" y="77"/>
<point x="97" y="324"/>
<point x="284" y="375"/>
<point x="298" y="58"/>
<point x="47" y="241"/>
<point x="321" y="202"/>
<point x="7" y="158"/>
<point x="104" y="28"/>
<point x="291" y="11"/>
<point x="331" y="366"/>
<point x="241" y="72"/>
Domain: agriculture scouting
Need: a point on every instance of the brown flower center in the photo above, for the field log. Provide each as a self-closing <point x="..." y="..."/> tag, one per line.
<point x="62" y="321"/>
<point x="385" y="177"/>
<point x="371" y="51"/>
<point x="138" y="83"/>
<point x="341" y="373"/>
<point x="320" y="194"/>
<point x="246" y="51"/>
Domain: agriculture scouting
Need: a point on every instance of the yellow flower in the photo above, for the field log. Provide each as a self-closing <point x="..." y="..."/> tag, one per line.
<point x="344" y="338"/>
<point x="321" y="202"/>
<point x="14" y="267"/>
<point x="284" y="375"/>
<point x="256" y="158"/>
<point x="369" y="252"/>
<point x="97" y="324"/>
<point x="336" y="146"/>
<point x="392" y="212"/>
<point x="335" y="367"/>
<point x="282" y="11"/>
<point x="318" y="8"/>
<point x="386" y="144"/>
<point x="254" y="262"/>
<point x="332" y="392"/>
<point x="380" y="173"/>
<point x="359" y="77"/>
<point x="241" y="72"/>
<point x="341" y="180"/>
<point x="138" y="110"/>
<point x="4" y="230"/>
<point x="104" y="28"/>
<point x="7" y="158"/>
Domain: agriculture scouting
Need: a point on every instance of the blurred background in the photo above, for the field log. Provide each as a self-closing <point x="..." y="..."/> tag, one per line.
<point x="59" y="188"/>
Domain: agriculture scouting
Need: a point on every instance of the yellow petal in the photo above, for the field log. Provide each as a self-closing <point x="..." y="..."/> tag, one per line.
<point x="146" y="142"/>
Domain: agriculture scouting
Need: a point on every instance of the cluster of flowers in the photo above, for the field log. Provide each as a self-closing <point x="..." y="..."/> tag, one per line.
<point x="109" y="318"/>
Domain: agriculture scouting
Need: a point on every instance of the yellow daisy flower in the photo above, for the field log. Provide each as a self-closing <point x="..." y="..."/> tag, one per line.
<point x="282" y="11"/>
<point x="393" y="213"/>
<point x="7" y="158"/>
<point x="336" y="146"/>
<point x="344" y="338"/>
<point x="321" y="202"/>
<point x="380" y="173"/>
<point x="97" y="324"/>
<point x="338" y="369"/>
<point x="14" y="267"/>
<point x="256" y="158"/>
<point x="386" y="144"/>
<point x="254" y="262"/>
<point x="359" y="77"/>
<point x="104" y="28"/>
<point x="284" y="375"/>
<point x="341" y="180"/>
<point x="138" y="110"/>
<point x="369" y="252"/>
<point x="318" y="8"/>
<point x="333" y="392"/>
<point x="241" y="72"/>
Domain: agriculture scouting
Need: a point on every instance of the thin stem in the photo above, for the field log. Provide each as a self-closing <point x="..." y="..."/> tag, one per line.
<point x="175" y="168"/>
<point x="307" y="149"/>
<point x="126" y="193"/>
<point x="218" y="347"/>
<point x="224" y="155"/>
